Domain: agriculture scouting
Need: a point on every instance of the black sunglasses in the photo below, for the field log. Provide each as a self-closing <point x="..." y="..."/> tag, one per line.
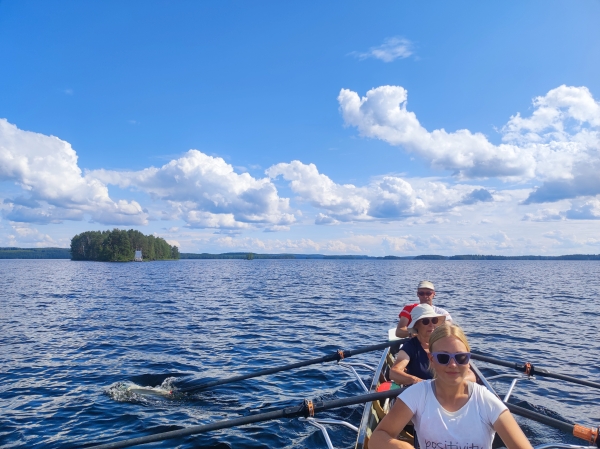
<point x="425" y="293"/>
<point x="443" y="358"/>
<point x="425" y="321"/>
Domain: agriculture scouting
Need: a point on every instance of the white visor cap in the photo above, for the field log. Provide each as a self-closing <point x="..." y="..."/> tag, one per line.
<point x="426" y="284"/>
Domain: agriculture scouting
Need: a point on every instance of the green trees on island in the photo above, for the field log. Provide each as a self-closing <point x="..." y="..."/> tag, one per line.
<point x="120" y="246"/>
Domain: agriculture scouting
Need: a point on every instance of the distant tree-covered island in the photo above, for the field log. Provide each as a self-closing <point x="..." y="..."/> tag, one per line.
<point x="120" y="246"/>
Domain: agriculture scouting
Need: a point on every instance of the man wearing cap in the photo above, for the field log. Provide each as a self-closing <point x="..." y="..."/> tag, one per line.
<point x="425" y="293"/>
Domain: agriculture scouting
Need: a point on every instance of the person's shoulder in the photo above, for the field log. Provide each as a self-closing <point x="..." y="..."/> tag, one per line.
<point x="423" y="385"/>
<point x="490" y="405"/>
<point x="411" y="342"/>
<point x="411" y="345"/>
<point x="409" y="307"/>
<point x="485" y="394"/>
<point x="414" y="396"/>
<point x="417" y="389"/>
<point x="479" y="389"/>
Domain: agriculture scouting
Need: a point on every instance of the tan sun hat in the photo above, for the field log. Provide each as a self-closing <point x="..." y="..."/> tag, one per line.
<point x="422" y="311"/>
<point x="426" y="284"/>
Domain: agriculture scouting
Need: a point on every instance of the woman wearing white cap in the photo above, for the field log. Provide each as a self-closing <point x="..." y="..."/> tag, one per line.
<point x="412" y="361"/>
<point x="449" y="411"/>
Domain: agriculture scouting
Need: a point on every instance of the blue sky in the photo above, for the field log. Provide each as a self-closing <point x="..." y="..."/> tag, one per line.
<point x="397" y="128"/>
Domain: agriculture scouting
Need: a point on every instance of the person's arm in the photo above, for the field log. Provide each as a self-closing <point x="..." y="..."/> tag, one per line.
<point x="384" y="436"/>
<point x="398" y="373"/>
<point x="401" y="330"/>
<point x="510" y="432"/>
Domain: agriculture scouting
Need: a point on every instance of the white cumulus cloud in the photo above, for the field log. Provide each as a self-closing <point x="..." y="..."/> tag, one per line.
<point x="388" y="198"/>
<point x="570" y="240"/>
<point x="584" y="210"/>
<point x="23" y="234"/>
<point x="385" y="198"/>
<point x="544" y="215"/>
<point x="207" y="192"/>
<point x="45" y="167"/>
<point x="304" y="245"/>
<point x="559" y="144"/>
<point x="395" y="245"/>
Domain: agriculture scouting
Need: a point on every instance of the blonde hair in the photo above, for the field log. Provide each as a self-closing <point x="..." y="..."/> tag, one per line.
<point x="448" y="330"/>
<point x="443" y="331"/>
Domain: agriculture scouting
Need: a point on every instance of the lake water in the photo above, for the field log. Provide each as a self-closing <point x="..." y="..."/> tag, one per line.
<point x="72" y="333"/>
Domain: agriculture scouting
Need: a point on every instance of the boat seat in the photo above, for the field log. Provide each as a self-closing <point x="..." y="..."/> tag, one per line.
<point x="390" y="359"/>
<point x="379" y="410"/>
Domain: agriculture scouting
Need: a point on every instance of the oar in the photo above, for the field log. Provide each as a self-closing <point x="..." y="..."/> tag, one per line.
<point x="531" y="370"/>
<point x="336" y="356"/>
<point x="308" y="408"/>
<point x="585" y="433"/>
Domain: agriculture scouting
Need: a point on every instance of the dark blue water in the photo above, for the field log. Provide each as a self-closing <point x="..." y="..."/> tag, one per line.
<point x="74" y="334"/>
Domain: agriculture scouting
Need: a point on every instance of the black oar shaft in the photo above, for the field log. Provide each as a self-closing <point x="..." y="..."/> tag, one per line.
<point x="585" y="433"/>
<point x="545" y="373"/>
<point x="288" y="412"/>
<point x="485" y="358"/>
<point x="328" y="358"/>
<point x="292" y="412"/>
<point x="552" y="422"/>
<point x="533" y="370"/>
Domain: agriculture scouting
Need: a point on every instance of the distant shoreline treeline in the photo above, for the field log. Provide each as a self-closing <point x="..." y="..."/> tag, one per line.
<point x="481" y="257"/>
<point x="65" y="253"/>
<point x="35" y="253"/>
<point x="359" y="257"/>
<point x="286" y="256"/>
<point x="120" y="246"/>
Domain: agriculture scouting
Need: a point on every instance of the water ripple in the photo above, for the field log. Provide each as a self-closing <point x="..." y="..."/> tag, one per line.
<point x="87" y="348"/>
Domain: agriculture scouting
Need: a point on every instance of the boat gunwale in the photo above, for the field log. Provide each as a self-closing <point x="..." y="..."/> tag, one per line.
<point x="364" y="420"/>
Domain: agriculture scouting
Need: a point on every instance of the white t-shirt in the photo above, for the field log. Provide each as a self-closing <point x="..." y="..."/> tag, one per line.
<point x="471" y="427"/>
<point x="444" y="312"/>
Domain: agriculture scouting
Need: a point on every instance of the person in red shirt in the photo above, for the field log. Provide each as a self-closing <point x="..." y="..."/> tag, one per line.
<point x="425" y="293"/>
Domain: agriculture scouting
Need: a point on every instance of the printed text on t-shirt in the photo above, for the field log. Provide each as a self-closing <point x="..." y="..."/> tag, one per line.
<point x="449" y="445"/>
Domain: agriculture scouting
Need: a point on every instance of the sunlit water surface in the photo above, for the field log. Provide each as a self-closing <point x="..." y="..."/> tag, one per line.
<point x="75" y="335"/>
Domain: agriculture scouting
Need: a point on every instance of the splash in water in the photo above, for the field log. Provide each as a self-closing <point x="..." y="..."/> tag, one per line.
<point x="132" y="392"/>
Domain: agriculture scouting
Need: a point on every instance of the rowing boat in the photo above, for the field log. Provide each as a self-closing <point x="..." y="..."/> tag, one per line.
<point x="378" y="399"/>
<point x="375" y="411"/>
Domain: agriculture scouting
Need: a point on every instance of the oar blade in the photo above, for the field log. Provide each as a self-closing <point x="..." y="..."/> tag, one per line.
<point x="132" y="392"/>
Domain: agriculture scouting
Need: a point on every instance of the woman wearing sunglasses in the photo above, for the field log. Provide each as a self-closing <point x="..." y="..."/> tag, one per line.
<point x="449" y="411"/>
<point x="412" y="361"/>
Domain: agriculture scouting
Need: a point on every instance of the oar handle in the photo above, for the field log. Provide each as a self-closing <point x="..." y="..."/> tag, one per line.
<point x="531" y="370"/>
<point x="336" y="356"/>
<point x="588" y="434"/>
